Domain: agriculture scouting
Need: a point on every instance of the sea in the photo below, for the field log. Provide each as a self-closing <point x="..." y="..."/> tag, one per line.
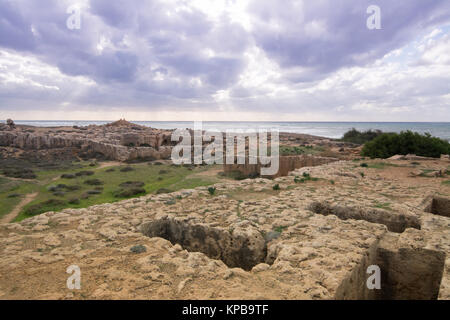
<point x="324" y="129"/>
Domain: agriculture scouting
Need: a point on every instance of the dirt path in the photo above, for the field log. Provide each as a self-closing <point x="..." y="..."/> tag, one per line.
<point x="10" y="216"/>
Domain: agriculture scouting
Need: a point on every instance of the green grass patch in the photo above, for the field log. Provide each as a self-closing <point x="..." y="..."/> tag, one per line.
<point x="279" y="229"/>
<point x="299" y="150"/>
<point x="384" y="205"/>
<point x="102" y="186"/>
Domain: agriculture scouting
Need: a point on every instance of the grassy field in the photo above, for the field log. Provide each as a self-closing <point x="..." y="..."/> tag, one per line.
<point x="13" y="191"/>
<point x="86" y="184"/>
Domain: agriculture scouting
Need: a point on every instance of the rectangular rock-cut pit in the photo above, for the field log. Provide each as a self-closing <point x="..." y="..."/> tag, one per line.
<point x="395" y="222"/>
<point x="439" y="206"/>
<point x="237" y="249"/>
<point x="406" y="272"/>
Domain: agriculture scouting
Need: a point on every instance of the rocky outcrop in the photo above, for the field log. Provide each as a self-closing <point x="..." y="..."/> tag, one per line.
<point x="115" y="142"/>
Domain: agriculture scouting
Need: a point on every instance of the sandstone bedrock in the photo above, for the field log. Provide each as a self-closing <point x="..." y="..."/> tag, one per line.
<point x="310" y="240"/>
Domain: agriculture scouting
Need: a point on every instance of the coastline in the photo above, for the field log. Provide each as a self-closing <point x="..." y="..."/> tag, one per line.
<point x="331" y="130"/>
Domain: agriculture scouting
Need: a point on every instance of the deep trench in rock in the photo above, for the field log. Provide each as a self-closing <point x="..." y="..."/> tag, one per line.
<point x="409" y="273"/>
<point x="236" y="250"/>
<point x="439" y="206"/>
<point x="406" y="273"/>
<point x="395" y="222"/>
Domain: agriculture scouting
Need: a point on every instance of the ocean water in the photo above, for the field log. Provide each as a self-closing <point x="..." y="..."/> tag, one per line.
<point x="323" y="129"/>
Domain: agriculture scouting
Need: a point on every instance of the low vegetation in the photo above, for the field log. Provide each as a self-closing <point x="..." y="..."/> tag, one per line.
<point x="82" y="185"/>
<point x="20" y="173"/>
<point x="358" y="137"/>
<point x="407" y="142"/>
<point x="299" y="150"/>
<point x="212" y="190"/>
<point x="305" y="177"/>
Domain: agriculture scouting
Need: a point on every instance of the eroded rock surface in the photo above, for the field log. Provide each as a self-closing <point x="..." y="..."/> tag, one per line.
<point x="247" y="241"/>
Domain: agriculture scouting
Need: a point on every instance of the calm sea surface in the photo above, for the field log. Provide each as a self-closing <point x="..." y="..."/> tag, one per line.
<point x="324" y="129"/>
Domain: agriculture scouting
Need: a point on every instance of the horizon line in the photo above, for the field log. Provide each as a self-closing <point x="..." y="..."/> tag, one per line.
<point x="231" y="121"/>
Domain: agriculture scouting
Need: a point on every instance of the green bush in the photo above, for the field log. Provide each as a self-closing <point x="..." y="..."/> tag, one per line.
<point x="132" y="184"/>
<point x="129" y="192"/>
<point x="211" y="190"/>
<point x="21" y="173"/>
<point x="276" y="187"/>
<point x="94" y="182"/>
<point x="84" y="173"/>
<point x="126" y="169"/>
<point x="406" y="142"/>
<point x="49" y="205"/>
<point x="358" y="137"/>
<point x="74" y="201"/>
<point x="68" y="176"/>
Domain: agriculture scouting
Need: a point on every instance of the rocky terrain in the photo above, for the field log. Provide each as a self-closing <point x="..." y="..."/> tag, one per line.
<point x="119" y="141"/>
<point x="309" y="235"/>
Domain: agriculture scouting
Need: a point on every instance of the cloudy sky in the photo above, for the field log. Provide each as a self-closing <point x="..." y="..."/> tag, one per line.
<point x="279" y="60"/>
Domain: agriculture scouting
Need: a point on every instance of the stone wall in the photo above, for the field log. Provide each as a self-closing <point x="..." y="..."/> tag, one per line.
<point x="287" y="164"/>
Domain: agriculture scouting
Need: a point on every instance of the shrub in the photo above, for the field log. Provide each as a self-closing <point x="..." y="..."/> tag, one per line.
<point x="211" y="190"/>
<point x="74" y="201"/>
<point x="94" y="182"/>
<point x="126" y="169"/>
<point x="14" y="195"/>
<point x="138" y="249"/>
<point x="68" y="176"/>
<point x="72" y="188"/>
<point x="364" y="165"/>
<point x="129" y="192"/>
<point x="94" y="192"/>
<point x="20" y="173"/>
<point x="49" y="205"/>
<point x="406" y="142"/>
<point x="84" y="173"/>
<point x="358" y="137"/>
<point x="132" y="184"/>
<point x="276" y="187"/>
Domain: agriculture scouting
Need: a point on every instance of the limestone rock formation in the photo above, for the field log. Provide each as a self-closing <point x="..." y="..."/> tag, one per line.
<point x="122" y="141"/>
